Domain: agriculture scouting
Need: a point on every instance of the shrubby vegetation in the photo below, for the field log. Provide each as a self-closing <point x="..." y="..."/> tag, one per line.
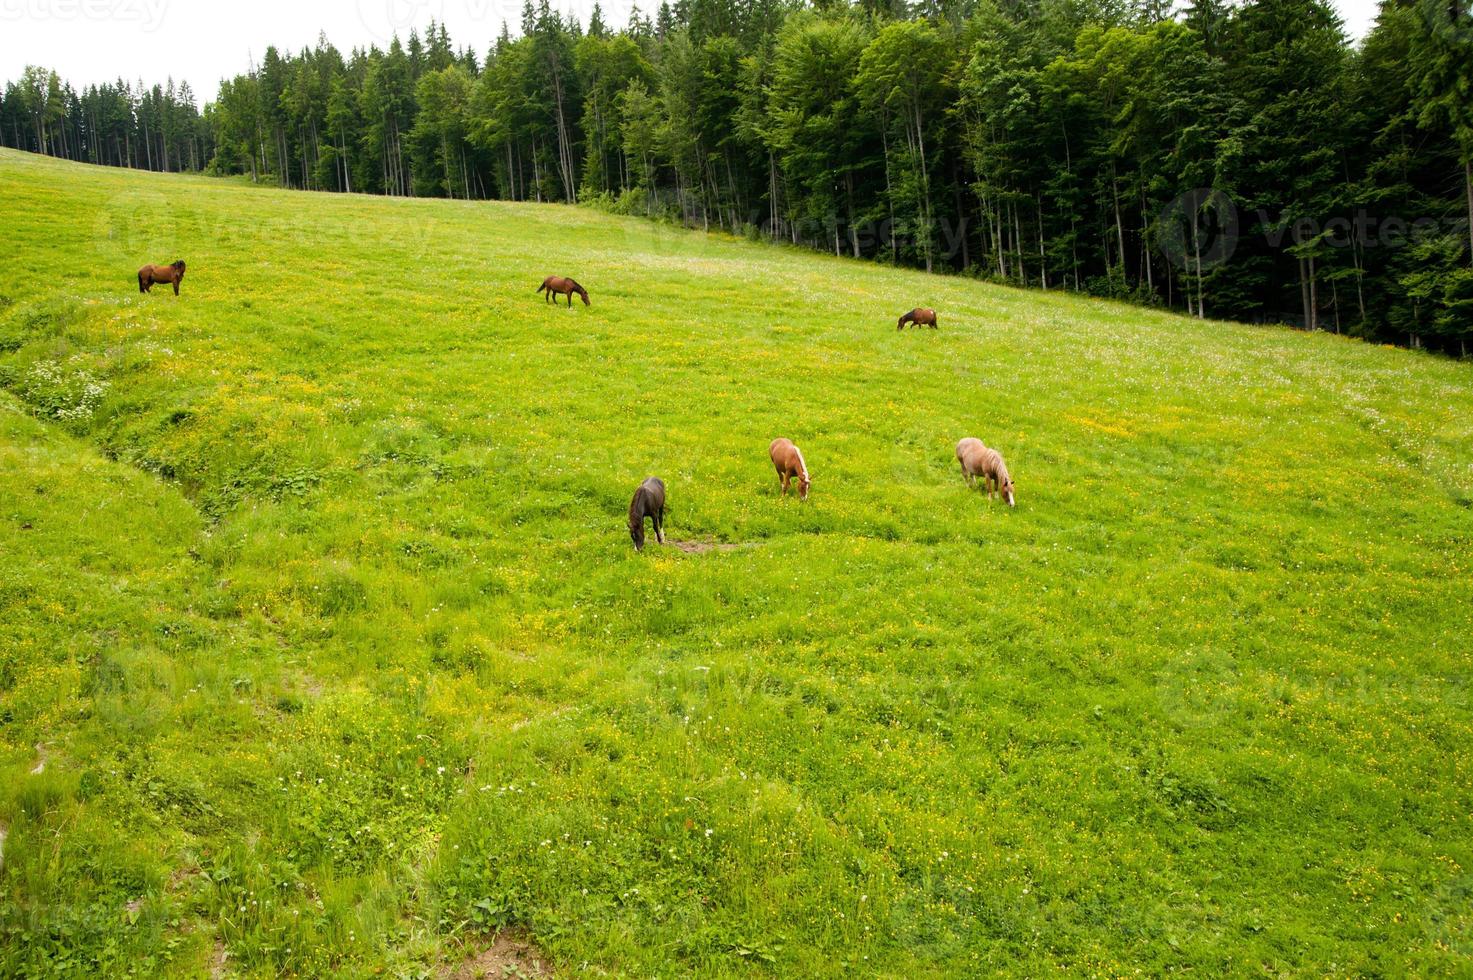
<point x="1062" y="144"/>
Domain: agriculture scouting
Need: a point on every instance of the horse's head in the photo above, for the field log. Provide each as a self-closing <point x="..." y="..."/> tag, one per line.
<point x="1007" y="489"/>
<point x="636" y="530"/>
<point x="179" y="265"/>
<point x="582" y="293"/>
<point x="803" y="484"/>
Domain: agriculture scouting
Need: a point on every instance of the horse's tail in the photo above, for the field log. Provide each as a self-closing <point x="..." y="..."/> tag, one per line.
<point x="540" y="288"/>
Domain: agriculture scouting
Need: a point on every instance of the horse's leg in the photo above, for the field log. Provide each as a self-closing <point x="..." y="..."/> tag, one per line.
<point x="660" y="525"/>
<point x="176" y="287"/>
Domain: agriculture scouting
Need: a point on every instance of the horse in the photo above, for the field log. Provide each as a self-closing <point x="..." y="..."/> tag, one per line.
<point x="920" y="317"/>
<point x="150" y="274"/>
<point x="649" y="501"/>
<point x="977" y="460"/>
<point x="788" y="461"/>
<point x="564" y="287"/>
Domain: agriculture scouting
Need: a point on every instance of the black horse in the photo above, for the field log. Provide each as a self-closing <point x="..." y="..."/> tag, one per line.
<point x="649" y="501"/>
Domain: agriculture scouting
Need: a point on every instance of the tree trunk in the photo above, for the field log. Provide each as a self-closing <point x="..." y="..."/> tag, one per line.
<point x="1468" y="190"/>
<point x="1197" y="251"/>
<point x="1119" y="225"/>
<point x="1304" y="293"/>
<point x="1018" y="243"/>
<point x="853" y="232"/>
<point x="1146" y="252"/>
<point x="1314" y="295"/>
<point x="889" y="193"/>
<point x="565" y="150"/>
<point x="925" y="178"/>
<point x="1042" y="255"/>
<point x="773" y="229"/>
<point x="1335" y="302"/>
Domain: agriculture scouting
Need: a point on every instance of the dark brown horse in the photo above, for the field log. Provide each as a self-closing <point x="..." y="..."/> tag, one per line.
<point x="920" y="317"/>
<point x="649" y="501"/>
<point x="563" y="287"/>
<point x="171" y="274"/>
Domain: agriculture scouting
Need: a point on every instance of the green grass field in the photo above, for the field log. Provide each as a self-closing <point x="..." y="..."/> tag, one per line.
<point x="324" y="649"/>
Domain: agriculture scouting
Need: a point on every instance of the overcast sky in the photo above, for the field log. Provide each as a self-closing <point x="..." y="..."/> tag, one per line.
<point x="202" y="41"/>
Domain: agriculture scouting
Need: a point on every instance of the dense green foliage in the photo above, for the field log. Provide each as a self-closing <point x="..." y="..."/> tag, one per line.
<point x="317" y="605"/>
<point x="1058" y="144"/>
<point x="118" y="125"/>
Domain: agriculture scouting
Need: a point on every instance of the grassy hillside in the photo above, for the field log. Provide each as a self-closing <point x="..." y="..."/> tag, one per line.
<point x="323" y="647"/>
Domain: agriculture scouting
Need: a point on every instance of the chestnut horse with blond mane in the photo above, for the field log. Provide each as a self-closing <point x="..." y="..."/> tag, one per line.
<point x="168" y="274"/>
<point x="787" y="459"/>
<point x="982" y="461"/>
<point x="562" y="286"/>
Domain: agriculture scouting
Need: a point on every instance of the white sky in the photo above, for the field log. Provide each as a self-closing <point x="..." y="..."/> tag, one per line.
<point x="201" y="41"/>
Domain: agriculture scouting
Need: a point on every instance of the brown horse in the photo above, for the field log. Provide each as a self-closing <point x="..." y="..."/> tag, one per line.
<point x="920" y="317"/>
<point x="564" y="287"/>
<point x="977" y="460"/>
<point x="150" y="274"/>
<point x="649" y="501"/>
<point x="787" y="459"/>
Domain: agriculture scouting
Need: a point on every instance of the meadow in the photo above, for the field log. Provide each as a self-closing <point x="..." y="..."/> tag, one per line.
<point x="324" y="649"/>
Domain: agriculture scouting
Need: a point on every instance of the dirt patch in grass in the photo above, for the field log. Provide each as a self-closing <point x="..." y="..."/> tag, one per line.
<point x="511" y="953"/>
<point x="702" y="547"/>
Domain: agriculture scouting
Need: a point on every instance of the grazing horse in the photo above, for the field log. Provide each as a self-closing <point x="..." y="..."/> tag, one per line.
<point x="649" y="501"/>
<point x="977" y="460"/>
<point x="562" y="286"/>
<point x="788" y="460"/>
<point x="920" y="317"/>
<point x="150" y="274"/>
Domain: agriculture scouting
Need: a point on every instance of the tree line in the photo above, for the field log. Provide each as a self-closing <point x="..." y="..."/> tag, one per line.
<point x="116" y="124"/>
<point x="1243" y="162"/>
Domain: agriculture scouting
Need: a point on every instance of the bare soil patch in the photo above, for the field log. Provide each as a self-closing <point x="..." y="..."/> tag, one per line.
<point x="511" y="953"/>
<point x="702" y="547"/>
